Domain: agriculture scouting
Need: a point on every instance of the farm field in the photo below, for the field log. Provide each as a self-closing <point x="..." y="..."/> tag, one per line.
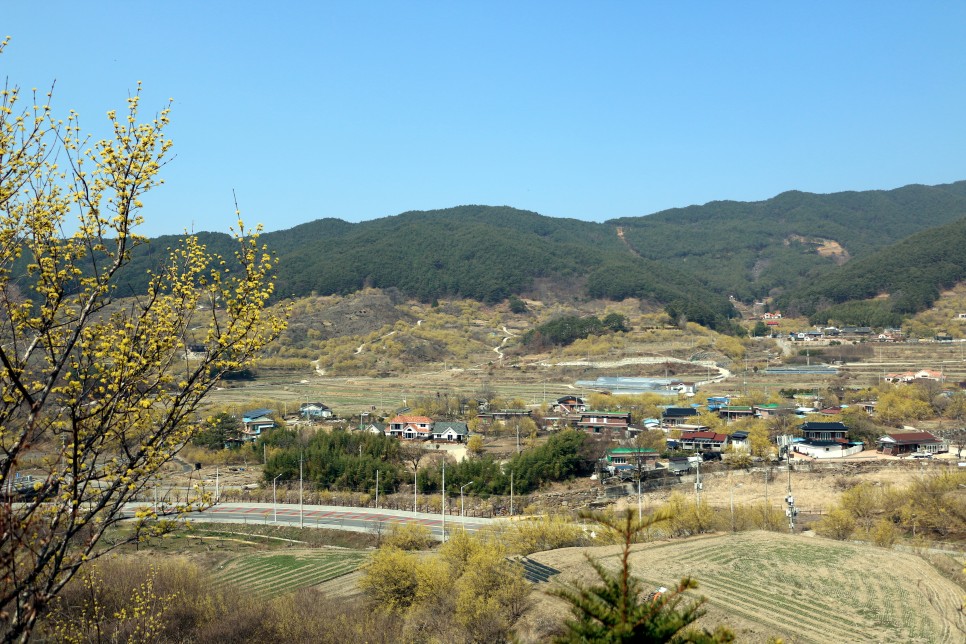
<point x="802" y="589"/>
<point x="274" y="573"/>
<point x="536" y="384"/>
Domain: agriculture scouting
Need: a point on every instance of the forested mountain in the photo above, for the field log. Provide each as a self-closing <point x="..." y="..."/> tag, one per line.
<point x="688" y="259"/>
<point x="755" y="249"/>
<point x="881" y="288"/>
<point x="477" y="252"/>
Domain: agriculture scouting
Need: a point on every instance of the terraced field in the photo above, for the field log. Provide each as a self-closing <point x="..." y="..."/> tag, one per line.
<point x="803" y="589"/>
<point x="273" y="573"/>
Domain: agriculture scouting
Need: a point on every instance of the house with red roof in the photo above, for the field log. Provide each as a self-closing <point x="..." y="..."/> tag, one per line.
<point x="411" y="427"/>
<point x="702" y="441"/>
<point x="906" y="443"/>
<point x="912" y="376"/>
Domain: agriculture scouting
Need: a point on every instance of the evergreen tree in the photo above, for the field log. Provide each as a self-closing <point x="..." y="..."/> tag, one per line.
<point x="620" y="610"/>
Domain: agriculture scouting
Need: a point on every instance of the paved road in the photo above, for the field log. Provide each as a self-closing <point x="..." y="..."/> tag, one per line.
<point x="333" y="517"/>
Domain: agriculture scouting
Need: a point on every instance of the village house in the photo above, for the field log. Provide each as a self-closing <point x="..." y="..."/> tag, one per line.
<point x="824" y="431"/>
<point x="739" y="441"/>
<point x="502" y="415"/>
<point x="622" y="459"/>
<point x="569" y="405"/>
<point x="450" y="431"/>
<point x="411" y="427"/>
<point x="830" y="411"/>
<point x="373" y="427"/>
<point x="736" y="412"/>
<point x="256" y="421"/>
<point x="682" y="387"/>
<point x="773" y="410"/>
<point x="692" y="427"/>
<point x="867" y="405"/>
<point x="702" y="441"/>
<point x="314" y="411"/>
<point x="906" y="443"/>
<point x="826" y="440"/>
<point x="676" y="415"/>
<point x="596" y="422"/>
<point x="907" y="377"/>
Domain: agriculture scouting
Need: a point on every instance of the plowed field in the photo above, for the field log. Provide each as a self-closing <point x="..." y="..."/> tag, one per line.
<point x="803" y="589"/>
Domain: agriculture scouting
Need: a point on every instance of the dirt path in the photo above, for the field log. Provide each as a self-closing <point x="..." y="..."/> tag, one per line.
<point x="499" y="349"/>
<point x="627" y="244"/>
<point x="363" y="345"/>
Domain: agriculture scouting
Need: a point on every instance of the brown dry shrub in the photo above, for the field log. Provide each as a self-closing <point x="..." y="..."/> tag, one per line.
<point x="191" y="609"/>
<point x="307" y="616"/>
<point x="843" y="483"/>
<point x="176" y="591"/>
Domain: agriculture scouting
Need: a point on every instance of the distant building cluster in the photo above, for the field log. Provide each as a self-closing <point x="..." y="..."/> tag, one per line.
<point x="820" y="439"/>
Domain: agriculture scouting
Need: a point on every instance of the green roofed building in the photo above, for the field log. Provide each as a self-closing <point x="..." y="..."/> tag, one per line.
<point x="626" y="458"/>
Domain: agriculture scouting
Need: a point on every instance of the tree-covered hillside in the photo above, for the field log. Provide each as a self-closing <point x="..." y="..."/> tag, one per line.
<point x="755" y="249"/>
<point x="885" y="286"/>
<point x="688" y="260"/>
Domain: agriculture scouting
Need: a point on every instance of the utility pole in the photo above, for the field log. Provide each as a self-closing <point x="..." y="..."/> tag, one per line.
<point x="443" y="506"/>
<point x="640" y="506"/>
<point x="415" y="489"/>
<point x="697" y="485"/>
<point x="791" y="511"/>
<point x="377" y="488"/>
<point x="511" y="493"/>
<point x="301" y="520"/>
<point x="462" y="508"/>
<point x="733" y="507"/>
<point x="275" y="498"/>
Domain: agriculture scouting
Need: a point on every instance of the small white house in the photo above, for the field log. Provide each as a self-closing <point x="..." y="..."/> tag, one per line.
<point x="453" y="432"/>
<point x="314" y="411"/>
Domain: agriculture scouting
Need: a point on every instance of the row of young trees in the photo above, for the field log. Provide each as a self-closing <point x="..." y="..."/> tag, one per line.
<point x="562" y="457"/>
<point x="339" y="459"/>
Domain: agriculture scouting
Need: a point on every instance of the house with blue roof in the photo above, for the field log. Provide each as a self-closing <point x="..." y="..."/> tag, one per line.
<point x="256" y="421"/>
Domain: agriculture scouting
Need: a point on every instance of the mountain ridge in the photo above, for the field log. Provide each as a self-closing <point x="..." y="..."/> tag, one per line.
<point x="689" y="259"/>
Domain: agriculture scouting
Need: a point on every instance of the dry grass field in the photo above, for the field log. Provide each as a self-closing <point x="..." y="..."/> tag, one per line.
<point x="815" y="491"/>
<point x="802" y="589"/>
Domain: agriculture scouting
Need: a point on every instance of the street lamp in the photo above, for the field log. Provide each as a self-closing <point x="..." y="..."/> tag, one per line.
<point x="275" y="499"/>
<point x="462" y="511"/>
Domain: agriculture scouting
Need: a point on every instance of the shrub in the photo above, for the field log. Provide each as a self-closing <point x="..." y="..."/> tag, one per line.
<point x="837" y="524"/>
<point x="409" y="536"/>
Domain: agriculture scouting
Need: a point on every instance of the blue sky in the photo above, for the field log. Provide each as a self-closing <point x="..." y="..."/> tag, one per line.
<point x="591" y="110"/>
